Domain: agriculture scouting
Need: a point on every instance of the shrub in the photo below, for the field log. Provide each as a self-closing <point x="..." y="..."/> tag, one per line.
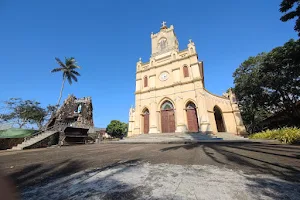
<point x="284" y="135"/>
<point x="116" y="129"/>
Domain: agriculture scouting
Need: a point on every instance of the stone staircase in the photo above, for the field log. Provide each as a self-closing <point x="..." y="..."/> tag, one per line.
<point x="182" y="138"/>
<point x="31" y="141"/>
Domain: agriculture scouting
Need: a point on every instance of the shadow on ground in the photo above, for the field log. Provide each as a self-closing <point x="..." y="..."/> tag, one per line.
<point x="38" y="174"/>
<point x="281" y="161"/>
<point x="258" y="156"/>
<point x="55" y="182"/>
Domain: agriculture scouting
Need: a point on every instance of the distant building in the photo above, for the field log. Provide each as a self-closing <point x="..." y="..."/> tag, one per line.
<point x="73" y="119"/>
<point x="75" y="112"/>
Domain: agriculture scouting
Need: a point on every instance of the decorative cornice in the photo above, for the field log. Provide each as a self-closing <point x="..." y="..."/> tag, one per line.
<point x="196" y="63"/>
<point x="227" y="111"/>
<point x="175" y="68"/>
<point x="139" y="79"/>
<point x="183" y="51"/>
<point x="146" y="63"/>
<point x="172" y="85"/>
<point x="152" y="75"/>
<point x="211" y="111"/>
<point x="170" y="62"/>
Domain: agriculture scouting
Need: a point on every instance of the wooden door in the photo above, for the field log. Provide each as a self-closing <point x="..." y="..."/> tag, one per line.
<point x="171" y="121"/>
<point x="146" y="123"/>
<point x="192" y="120"/>
<point x="167" y="121"/>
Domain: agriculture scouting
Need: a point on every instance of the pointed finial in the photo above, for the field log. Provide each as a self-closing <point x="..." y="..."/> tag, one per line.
<point x="190" y="40"/>
<point x="140" y="59"/>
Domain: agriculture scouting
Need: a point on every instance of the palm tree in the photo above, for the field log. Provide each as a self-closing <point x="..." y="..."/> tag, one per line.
<point x="69" y="72"/>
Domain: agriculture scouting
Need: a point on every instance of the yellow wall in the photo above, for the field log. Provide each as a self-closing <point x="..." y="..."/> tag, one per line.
<point x="177" y="89"/>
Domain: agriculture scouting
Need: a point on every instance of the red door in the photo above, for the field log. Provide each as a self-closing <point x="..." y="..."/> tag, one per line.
<point x="167" y="121"/>
<point x="192" y="120"/>
<point x="146" y="123"/>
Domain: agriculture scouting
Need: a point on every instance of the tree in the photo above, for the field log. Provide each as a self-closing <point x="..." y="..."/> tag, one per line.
<point x="116" y="128"/>
<point x="22" y="112"/>
<point x="41" y="115"/>
<point x="281" y="79"/>
<point x="286" y="7"/>
<point x="249" y="92"/>
<point x="69" y="72"/>
<point x="268" y="84"/>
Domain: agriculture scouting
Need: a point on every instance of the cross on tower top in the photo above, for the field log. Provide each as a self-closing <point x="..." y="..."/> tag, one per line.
<point x="163" y="23"/>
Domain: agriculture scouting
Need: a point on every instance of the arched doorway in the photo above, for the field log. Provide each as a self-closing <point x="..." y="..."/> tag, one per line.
<point x="192" y="119"/>
<point x="167" y="117"/>
<point x="146" y="120"/>
<point x="219" y="119"/>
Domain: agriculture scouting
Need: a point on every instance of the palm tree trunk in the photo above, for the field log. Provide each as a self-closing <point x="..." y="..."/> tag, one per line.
<point x="61" y="90"/>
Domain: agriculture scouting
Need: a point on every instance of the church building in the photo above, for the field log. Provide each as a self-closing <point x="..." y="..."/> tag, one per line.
<point x="170" y="94"/>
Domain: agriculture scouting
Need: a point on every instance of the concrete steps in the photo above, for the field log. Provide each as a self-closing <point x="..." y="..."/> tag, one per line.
<point x="33" y="140"/>
<point x="182" y="138"/>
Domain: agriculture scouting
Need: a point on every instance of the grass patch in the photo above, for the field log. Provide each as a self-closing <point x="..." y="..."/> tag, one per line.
<point x="284" y="135"/>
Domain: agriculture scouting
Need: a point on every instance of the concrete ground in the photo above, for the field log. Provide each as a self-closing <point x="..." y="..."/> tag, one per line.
<point x="157" y="171"/>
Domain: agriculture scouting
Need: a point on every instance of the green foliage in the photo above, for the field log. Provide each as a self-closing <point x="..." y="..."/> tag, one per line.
<point x="268" y="84"/>
<point x="117" y="129"/>
<point x="68" y="69"/>
<point x="22" y="112"/>
<point x="284" y="135"/>
<point x="249" y="92"/>
<point x="286" y="7"/>
<point x="280" y="78"/>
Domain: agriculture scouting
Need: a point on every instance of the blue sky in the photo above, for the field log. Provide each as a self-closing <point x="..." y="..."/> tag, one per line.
<point x="108" y="37"/>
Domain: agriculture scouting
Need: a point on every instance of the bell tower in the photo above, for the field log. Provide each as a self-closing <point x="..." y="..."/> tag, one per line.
<point x="164" y="42"/>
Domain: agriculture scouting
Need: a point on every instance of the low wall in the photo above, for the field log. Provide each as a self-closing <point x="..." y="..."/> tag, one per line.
<point x="8" y="143"/>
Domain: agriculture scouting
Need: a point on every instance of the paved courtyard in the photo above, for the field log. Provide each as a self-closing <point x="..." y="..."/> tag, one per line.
<point x="157" y="171"/>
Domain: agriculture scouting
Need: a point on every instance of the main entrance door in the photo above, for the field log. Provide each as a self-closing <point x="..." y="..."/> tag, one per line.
<point x="146" y="121"/>
<point x="192" y="119"/>
<point x="167" y="118"/>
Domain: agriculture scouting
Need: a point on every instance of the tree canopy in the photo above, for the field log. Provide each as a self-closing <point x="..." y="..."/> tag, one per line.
<point x="116" y="128"/>
<point x="269" y="83"/>
<point x="22" y="112"/>
<point x="68" y="69"/>
<point x="291" y="10"/>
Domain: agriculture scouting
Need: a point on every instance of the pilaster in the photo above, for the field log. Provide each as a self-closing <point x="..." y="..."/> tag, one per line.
<point x="179" y="113"/>
<point x="153" y="119"/>
<point x="203" y="118"/>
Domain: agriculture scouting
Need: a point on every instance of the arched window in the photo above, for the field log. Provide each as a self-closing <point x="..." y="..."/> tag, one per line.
<point x="167" y="105"/>
<point x="185" y="71"/>
<point x="145" y="81"/>
<point x="146" y="111"/>
<point x="190" y="105"/>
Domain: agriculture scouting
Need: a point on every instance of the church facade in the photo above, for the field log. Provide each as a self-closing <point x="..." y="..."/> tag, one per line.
<point x="170" y="95"/>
